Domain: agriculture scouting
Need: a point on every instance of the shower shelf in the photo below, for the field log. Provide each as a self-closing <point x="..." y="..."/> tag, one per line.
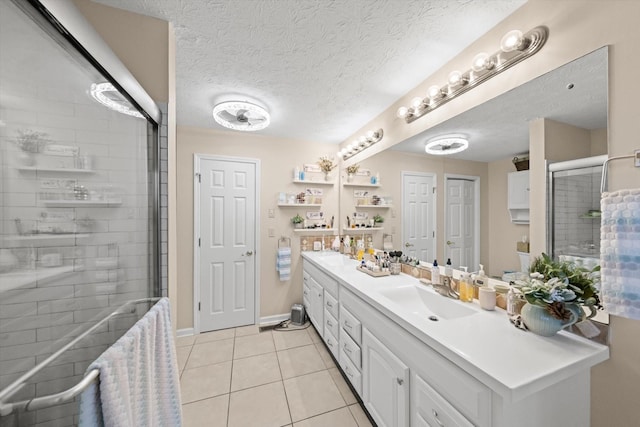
<point x="20" y="278"/>
<point x="81" y="203"/>
<point x="39" y="169"/>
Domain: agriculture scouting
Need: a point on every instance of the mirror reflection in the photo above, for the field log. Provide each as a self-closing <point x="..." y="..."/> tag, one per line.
<point x="473" y="206"/>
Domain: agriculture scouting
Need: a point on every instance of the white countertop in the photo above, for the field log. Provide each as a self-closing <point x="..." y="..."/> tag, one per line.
<point x="513" y="362"/>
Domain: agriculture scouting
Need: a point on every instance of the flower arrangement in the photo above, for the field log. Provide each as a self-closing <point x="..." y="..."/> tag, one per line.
<point x="379" y="219"/>
<point x="326" y="164"/>
<point x="553" y="285"/>
<point x="351" y="170"/>
<point x="297" y="219"/>
<point x="31" y="141"/>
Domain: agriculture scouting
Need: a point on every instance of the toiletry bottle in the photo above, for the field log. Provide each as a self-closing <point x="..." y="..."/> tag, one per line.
<point x="479" y="281"/>
<point x="302" y="175"/>
<point x="448" y="274"/>
<point x="435" y="273"/>
<point x="466" y="287"/>
<point x="296" y="173"/>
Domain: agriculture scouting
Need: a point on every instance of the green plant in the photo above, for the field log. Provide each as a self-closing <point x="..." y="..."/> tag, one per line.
<point x="297" y="219"/>
<point x="553" y="284"/>
<point x="353" y="169"/>
<point x="326" y="164"/>
<point x="379" y="219"/>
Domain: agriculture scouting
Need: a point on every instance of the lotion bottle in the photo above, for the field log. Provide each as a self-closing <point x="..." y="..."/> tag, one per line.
<point x="466" y="286"/>
<point x="435" y="273"/>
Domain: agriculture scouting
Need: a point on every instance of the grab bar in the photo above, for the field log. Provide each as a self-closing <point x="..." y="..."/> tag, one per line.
<point x="66" y="395"/>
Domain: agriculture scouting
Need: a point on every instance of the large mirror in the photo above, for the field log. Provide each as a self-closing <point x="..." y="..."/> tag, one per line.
<point x="479" y="211"/>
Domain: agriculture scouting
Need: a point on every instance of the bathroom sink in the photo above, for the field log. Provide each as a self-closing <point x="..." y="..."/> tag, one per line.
<point x="423" y="302"/>
<point x="333" y="259"/>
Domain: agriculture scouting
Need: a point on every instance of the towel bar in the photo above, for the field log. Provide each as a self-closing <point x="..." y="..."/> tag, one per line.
<point x="605" y="169"/>
<point x="66" y="395"/>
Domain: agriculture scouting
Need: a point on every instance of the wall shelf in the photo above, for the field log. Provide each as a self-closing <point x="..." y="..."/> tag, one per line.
<point x="46" y="236"/>
<point x="19" y="278"/>
<point x="81" y="203"/>
<point x="351" y="184"/>
<point x="364" y="229"/>
<point x="306" y="181"/>
<point x="299" y="205"/>
<point x="314" y="230"/>
<point x="373" y="206"/>
<point x="39" y="169"/>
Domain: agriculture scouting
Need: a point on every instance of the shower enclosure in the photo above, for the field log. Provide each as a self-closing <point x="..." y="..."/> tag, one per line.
<point x="574" y="210"/>
<point x="79" y="204"/>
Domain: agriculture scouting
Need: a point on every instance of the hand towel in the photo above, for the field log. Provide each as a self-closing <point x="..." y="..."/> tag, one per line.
<point x="139" y="382"/>
<point x="620" y="253"/>
<point x="283" y="263"/>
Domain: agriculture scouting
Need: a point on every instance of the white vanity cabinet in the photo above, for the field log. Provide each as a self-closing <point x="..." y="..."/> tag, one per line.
<point x="385" y="385"/>
<point x="321" y="292"/>
<point x="518" y="196"/>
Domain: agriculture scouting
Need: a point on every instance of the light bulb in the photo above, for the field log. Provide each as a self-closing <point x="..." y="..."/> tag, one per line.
<point x="481" y="62"/>
<point x="434" y="92"/>
<point x="511" y="41"/>
<point x="351" y="147"/>
<point x="416" y="103"/>
<point x="371" y="135"/>
<point x="339" y="154"/>
<point x="402" y="112"/>
<point x="362" y="141"/>
<point x="455" y="79"/>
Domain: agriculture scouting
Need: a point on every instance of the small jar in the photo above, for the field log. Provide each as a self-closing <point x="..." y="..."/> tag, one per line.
<point x="515" y="302"/>
<point x="501" y="295"/>
<point x="487" y="298"/>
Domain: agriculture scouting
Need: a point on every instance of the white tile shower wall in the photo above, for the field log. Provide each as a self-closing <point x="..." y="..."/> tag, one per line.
<point x="105" y="248"/>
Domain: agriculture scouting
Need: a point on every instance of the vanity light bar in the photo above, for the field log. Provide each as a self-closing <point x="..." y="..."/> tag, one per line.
<point x="362" y="143"/>
<point x="514" y="47"/>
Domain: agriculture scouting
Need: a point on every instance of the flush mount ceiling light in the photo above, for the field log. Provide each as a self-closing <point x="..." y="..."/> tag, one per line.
<point x="107" y="95"/>
<point x="240" y="115"/>
<point x="514" y="47"/>
<point x="361" y="143"/>
<point x="446" y="145"/>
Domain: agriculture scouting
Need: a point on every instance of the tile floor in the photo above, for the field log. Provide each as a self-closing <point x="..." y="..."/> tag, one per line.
<point x="244" y="377"/>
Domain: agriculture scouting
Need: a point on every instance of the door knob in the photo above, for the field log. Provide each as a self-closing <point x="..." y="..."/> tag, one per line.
<point x="449" y="242"/>
<point x="407" y="245"/>
<point x="249" y="253"/>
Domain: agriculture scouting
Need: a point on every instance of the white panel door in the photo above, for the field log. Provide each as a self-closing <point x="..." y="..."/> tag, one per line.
<point x="460" y="223"/>
<point x="227" y="245"/>
<point x="418" y="216"/>
<point x="385" y="383"/>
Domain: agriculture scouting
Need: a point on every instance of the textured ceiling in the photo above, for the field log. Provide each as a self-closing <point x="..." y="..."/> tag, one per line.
<point x="322" y="68"/>
<point x="499" y="128"/>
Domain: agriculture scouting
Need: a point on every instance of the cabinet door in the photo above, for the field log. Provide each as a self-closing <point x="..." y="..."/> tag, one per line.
<point x="316" y="300"/>
<point x="518" y="184"/>
<point x="385" y="383"/>
<point x="430" y="409"/>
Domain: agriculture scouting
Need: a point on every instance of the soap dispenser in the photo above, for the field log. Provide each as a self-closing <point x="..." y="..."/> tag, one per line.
<point x="466" y="286"/>
<point x="481" y="277"/>
<point x="435" y="273"/>
<point x="448" y="274"/>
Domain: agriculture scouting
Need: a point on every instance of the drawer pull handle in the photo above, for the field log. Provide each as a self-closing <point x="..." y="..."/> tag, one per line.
<point x="305" y="292"/>
<point x="348" y="372"/>
<point x="400" y="381"/>
<point x="346" y="349"/>
<point x="435" y="415"/>
<point x="329" y="304"/>
<point x="329" y="324"/>
<point x="346" y="324"/>
<point x="329" y="343"/>
<point x="319" y="295"/>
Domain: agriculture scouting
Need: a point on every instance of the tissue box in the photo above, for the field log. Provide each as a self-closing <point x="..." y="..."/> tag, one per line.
<point x="522" y="246"/>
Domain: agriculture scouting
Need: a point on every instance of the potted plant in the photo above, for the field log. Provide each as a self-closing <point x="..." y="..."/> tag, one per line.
<point x="555" y="293"/>
<point x="378" y="219"/>
<point x="326" y="166"/>
<point x="297" y="221"/>
<point x="351" y="171"/>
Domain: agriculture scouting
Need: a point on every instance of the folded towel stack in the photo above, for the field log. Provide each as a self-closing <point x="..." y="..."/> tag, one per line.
<point x="620" y="253"/>
<point x="283" y="263"/>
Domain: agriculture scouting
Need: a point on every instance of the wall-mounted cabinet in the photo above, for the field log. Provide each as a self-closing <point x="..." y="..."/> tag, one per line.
<point x="518" y="197"/>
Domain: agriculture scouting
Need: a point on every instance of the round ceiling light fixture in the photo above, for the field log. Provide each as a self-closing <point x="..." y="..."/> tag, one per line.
<point x="446" y="145"/>
<point x="107" y="95"/>
<point x="242" y="116"/>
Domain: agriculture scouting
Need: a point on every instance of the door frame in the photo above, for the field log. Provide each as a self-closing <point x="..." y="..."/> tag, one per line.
<point x="476" y="211"/>
<point x="434" y="212"/>
<point x="197" y="157"/>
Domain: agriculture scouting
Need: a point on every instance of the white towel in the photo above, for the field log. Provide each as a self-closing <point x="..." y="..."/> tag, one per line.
<point x="620" y="253"/>
<point x="283" y="263"/>
<point x="139" y="383"/>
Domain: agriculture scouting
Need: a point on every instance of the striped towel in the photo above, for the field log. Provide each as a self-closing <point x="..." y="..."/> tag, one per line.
<point x="283" y="263"/>
<point x="620" y="253"/>
<point x="138" y="383"/>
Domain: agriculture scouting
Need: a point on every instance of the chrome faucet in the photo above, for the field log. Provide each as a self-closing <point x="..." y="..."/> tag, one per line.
<point x="445" y="289"/>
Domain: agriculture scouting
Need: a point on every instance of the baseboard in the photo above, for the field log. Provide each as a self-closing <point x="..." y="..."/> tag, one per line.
<point x="273" y="320"/>
<point x="186" y="332"/>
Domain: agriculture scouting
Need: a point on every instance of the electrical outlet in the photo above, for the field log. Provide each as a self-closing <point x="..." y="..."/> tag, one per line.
<point x="272" y="232"/>
<point x="271" y="213"/>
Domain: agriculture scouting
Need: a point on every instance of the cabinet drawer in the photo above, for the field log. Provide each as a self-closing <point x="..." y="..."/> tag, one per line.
<point x="351" y="325"/>
<point x="351" y="349"/>
<point x="353" y="374"/>
<point x="331" y="324"/>
<point x="332" y="342"/>
<point x="322" y="278"/>
<point x="431" y="409"/>
<point x="331" y="304"/>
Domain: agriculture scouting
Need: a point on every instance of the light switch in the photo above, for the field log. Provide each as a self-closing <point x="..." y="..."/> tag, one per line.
<point x="637" y="158"/>
<point x="272" y="232"/>
<point x="271" y="213"/>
